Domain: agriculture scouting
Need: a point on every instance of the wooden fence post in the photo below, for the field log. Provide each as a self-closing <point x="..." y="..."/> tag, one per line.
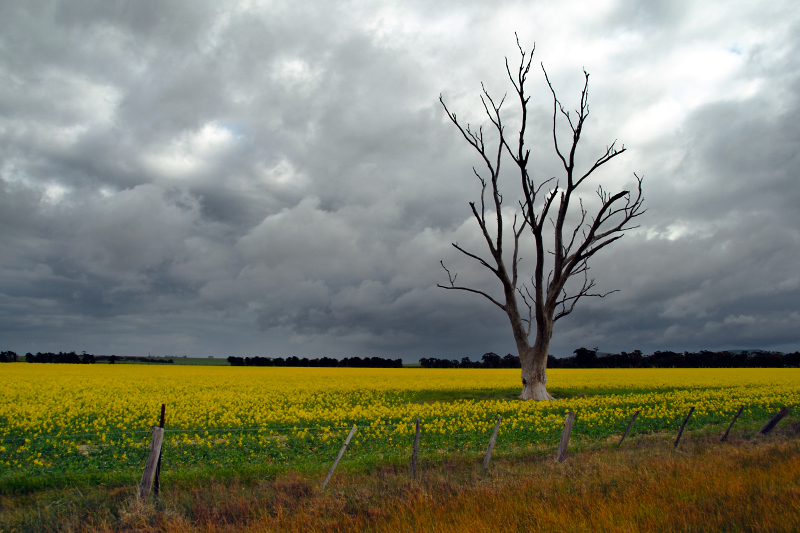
<point x="152" y="463"/>
<point x="725" y="436"/>
<point x="488" y="456"/>
<point x="562" y="447"/>
<point x="415" y="451"/>
<point x="630" y="424"/>
<point x="680" y="431"/>
<point x="339" y="457"/>
<point x="157" y="480"/>
<point x="774" y="421"/>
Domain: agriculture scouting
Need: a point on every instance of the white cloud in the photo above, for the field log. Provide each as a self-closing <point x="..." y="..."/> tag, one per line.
<point x="190" y="152"/>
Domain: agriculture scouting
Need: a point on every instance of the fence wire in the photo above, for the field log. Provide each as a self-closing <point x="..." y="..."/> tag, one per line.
<point x="288" y="446"/>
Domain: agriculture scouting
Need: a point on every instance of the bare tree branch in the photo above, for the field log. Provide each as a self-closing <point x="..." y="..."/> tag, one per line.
<point x="529" y="302"/>
<point x="476" y="257"/>
<point x="588" y="284"/>
<point x="453" y="286"/>
<point x="515" y="259"/>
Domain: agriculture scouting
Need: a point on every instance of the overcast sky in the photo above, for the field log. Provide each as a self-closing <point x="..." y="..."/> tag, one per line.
<point x="278" y="178"/>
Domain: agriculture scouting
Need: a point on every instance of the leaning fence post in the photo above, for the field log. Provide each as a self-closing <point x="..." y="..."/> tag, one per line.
<point x="157" y="480"/>
<point x="562" y="447"/>
<point x="774" y="421"/>
<point x="151" y="465"/>
<point x="630" y="424"/>
<point x="680" y="431"/>
<point x="725" y="436"/>
<point x="415" y="451"/>
<point x="339" y="457"/>
<point x="488" y="456"/>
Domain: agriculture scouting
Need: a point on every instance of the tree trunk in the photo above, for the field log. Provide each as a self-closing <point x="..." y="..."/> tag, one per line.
<point x="534" y="376"/>
<point x="534" y="372"/>
<point x="532" y="359"/>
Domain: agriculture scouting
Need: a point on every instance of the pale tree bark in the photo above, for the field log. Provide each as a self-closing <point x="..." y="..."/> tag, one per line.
<point x="545" y="299"/>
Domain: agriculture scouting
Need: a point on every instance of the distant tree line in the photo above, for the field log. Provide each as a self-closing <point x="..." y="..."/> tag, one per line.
<point x="60" y="357"/>
<point x="352" y="362"/>
<point x="586" y="358"/>
<point x="8" y="357"/>
<point x="74" y="358"/>
<point x="582" y="358"/>
<point x="112" y="359"/>
<point x="488" y="360"/>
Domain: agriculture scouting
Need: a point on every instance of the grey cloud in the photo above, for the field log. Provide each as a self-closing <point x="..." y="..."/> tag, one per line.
<point x="242" y="178"/>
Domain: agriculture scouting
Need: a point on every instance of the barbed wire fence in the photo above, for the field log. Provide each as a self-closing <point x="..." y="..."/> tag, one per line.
<point x="311" y="447"/>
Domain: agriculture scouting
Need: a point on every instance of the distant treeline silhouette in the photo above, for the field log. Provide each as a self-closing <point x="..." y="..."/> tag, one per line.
<point x="585" y="358"/>
<point x="352" y="362"/>
<point x="60" y="357"/>
<point x="488" y="360"/>
<point x="112" y="359"/>
<point x="582" y="358"/>
<point x="8" y="357"/>
<point x="74" y="358"/>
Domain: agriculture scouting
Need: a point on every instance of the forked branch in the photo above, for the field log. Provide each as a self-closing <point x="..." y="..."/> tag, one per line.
<point x="453" y="286"/>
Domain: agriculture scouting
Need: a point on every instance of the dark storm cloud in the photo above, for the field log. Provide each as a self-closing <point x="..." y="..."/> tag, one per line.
<point x="242" y="178"/>
<point x="717" y="263"/>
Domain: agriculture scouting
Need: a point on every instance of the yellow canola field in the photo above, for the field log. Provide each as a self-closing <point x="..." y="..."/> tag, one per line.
<point x="69" y="406"/>
<point x="43" y="399"/>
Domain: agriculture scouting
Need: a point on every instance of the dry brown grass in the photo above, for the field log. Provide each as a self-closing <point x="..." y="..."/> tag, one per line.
<point x="746" y="485"/>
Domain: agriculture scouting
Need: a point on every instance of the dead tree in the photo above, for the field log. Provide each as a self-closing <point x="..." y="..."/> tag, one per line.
<point x="547" y="298"/>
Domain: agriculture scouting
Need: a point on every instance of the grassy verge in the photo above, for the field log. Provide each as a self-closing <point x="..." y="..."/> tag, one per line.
<point x="748" y="484"/>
